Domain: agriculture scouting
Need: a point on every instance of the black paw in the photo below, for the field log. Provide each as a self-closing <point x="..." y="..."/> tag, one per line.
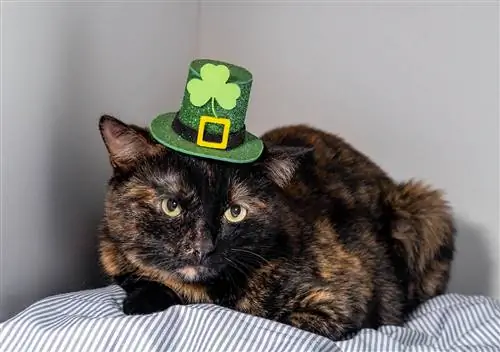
<point x="149" y="298"/>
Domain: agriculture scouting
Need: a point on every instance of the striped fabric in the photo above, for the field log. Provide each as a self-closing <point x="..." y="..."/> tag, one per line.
<point x="92" y="321"/>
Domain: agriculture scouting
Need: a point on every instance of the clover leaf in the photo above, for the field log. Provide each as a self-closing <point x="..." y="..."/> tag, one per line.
<point x="212" y="85"/>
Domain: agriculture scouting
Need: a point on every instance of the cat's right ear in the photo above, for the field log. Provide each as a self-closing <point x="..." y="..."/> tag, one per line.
<point x="281" y="162"/>
<point x="125" y="144"/>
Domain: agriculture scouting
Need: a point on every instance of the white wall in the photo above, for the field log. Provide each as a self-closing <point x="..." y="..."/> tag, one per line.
<point x="63" y="65"/>
<point x="415" y="87"/>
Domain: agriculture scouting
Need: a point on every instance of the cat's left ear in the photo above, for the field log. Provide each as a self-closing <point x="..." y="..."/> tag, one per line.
<point x="281" y="162"/>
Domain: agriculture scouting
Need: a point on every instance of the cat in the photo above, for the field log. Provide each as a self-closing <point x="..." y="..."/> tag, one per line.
<point x="313" y="234"/>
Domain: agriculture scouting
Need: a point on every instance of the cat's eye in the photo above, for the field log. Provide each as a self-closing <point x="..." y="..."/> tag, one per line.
<point x="235" y="213"/>
<point x="171" y="207"/>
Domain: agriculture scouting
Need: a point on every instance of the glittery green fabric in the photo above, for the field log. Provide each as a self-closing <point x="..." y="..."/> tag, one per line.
<point x="190" y="114"/>
<point x="217" y="90"/>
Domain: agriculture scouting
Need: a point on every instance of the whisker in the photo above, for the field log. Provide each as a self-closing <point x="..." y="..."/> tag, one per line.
<point x="245" y="265"/>
<point x="229" y="276"/>
<point x="250" y="252"/>
<point x="235" y="266"/>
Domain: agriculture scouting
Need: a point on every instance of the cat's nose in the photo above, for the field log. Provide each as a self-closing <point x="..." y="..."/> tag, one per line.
<point x="203" y="248"/>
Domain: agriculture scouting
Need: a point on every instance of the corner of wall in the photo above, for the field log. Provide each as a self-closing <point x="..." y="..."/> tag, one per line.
<point x="199" y="28"/>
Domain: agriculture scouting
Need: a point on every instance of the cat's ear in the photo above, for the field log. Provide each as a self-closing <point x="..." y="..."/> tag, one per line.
<point x="126" y="144"/>
<point x="281" y="162"/>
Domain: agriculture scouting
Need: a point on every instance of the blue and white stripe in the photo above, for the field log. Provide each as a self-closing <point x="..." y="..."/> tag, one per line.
<point x="92" y="321"/>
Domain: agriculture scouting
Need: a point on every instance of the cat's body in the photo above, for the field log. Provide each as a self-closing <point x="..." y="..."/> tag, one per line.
<point x="329" y="243"/>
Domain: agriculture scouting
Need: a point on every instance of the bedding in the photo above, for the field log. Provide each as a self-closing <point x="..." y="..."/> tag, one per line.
<point x="92" y="321"/>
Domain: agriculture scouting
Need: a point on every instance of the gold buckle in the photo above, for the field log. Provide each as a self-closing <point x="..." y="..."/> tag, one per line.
<point x="225" y="133"/>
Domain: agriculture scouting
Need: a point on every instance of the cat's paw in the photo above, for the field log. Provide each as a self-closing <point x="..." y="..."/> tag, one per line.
<point x="149" y="299"/>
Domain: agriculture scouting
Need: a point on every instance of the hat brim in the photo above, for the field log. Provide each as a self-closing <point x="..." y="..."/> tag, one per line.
<point x="162" y="131"/>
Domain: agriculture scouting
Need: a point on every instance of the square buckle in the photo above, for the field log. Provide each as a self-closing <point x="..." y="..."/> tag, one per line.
<point x="226" y="123"/>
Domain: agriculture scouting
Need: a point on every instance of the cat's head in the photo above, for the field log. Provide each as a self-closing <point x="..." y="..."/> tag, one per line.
<point x="194" y="218"/>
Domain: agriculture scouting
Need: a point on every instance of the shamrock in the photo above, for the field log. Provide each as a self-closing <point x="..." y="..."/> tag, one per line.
<point x="212" y="85"/>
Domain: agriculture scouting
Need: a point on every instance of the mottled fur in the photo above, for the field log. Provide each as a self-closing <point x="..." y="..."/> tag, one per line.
<point x="330" y="244"/>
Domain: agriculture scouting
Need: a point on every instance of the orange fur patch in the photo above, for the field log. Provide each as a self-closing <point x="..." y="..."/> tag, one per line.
<point x="141" y="193"/>
<point x="331" y="256"/>
<point x="111" y="260"/>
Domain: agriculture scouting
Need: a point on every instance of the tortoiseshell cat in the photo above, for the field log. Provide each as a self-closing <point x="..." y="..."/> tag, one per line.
<point x="313" y="234"/>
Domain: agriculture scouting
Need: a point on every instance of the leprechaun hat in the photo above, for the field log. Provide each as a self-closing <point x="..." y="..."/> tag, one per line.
<point x="211" y="119"/>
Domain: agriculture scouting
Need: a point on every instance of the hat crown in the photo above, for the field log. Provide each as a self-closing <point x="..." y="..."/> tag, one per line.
<point x="217" y="89"/>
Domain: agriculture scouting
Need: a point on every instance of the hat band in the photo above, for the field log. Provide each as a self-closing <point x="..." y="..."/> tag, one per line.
<point x="235" y="139"/>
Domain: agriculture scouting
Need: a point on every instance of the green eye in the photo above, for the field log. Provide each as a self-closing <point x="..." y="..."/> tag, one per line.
<point x="235" y="213"/>
<point x="171" y="207"/>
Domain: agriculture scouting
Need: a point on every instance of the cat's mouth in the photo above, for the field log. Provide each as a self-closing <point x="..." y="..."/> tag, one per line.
<point x="194" y="273"/>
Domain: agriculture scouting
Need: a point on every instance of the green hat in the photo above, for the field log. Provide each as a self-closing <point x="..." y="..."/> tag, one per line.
<point x="211" y="120"/>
